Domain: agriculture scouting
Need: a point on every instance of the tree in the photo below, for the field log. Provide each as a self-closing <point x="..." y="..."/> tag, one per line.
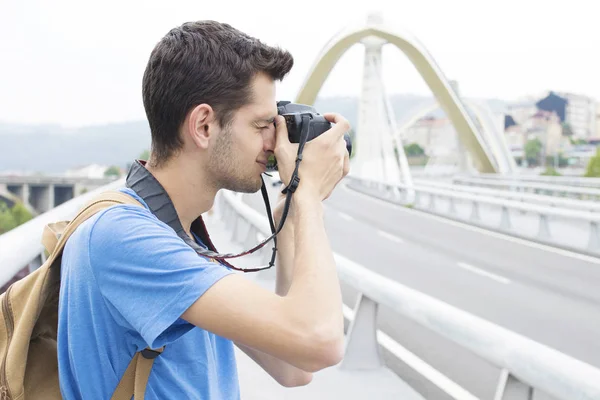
<point x="567" y="130"/>
<point x="113" y="171"/>
<point x="12" y="217"/>
<point x="414" y="150"/>
<point x="7" y="220"/>
<point x="593" y="167"/>
<point x="533" y="150"/>
<point x="21" y="214"/>
<point x="577" y="142"/>
<point x="550" y="171"/>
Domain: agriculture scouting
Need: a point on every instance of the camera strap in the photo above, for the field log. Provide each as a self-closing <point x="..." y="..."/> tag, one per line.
<point x="140" y="180"/>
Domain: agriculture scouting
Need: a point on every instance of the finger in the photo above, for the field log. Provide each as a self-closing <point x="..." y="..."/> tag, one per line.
<point x="281" y="132"/>
<point x="336" y="118"/>
<point x="340" y="127"/>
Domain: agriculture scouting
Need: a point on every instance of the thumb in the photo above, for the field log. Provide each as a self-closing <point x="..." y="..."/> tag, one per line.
<point x="281" y="132"/>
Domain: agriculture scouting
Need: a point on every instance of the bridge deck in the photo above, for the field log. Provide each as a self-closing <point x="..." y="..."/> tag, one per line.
<point x="332" y="383"/>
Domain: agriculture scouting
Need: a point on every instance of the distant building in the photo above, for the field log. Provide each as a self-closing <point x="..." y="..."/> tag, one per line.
<point x="581" y="115"/>
<point x="547" y="127"/>
<point x="515" y="140"/>
<point x="579" y="112"/>
<point x="89" y="171"/>
<point x="434" y="135"/>
<point x="580" y="155"/>
<point x="520" y="111"/>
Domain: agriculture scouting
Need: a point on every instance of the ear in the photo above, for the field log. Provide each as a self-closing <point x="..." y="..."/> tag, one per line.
<point x="201" y="125"/>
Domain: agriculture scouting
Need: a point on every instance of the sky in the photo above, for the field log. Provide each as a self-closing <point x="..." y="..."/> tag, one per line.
<point x="78" y="63"/>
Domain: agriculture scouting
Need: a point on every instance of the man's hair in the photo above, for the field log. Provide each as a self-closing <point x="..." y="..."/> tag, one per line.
<point x="202" y="62"/>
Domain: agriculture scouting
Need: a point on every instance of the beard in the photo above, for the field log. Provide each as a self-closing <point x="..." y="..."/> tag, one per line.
<point x="227" y="169"/>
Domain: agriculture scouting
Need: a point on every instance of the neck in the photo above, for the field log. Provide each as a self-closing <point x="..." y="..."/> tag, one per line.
<point x="190" y="191"/>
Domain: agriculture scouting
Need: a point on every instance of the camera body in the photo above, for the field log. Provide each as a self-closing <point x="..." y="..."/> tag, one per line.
<point x="317" y="124"/>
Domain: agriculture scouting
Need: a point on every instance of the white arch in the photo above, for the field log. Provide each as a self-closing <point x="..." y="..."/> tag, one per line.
<point x="423" y="62"/>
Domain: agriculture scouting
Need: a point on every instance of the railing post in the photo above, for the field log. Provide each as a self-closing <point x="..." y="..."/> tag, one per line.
<point x="594" y="242"/>
<point x="510" y="388"/>
<point x="242" y="229"/>
<point x="362" y="350"/>
<point x="250" y="239"/>
<point x="452" y="207"/>
<point x="234" y="226"/>
<point x="505" y="219"/>
<point x="432" y="202"/>
<point x="417" y="199"/>
<point x="475" y="212"/>
<point x="544" y="231"/>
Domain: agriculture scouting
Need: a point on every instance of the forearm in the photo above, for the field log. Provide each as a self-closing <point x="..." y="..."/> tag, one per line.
<point x="285" y="251"/>
<point x="284" y="373"/>
<point x="314" y="284"/>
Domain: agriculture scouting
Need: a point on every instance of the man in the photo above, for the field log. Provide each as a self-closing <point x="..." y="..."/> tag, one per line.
<point x="130" y="282"/>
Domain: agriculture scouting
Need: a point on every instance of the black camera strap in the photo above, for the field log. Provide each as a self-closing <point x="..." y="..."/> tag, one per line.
<point x="140" y="180"/>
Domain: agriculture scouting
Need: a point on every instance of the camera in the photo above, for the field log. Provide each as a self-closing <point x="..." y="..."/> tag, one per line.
<point x="317" y="124"/>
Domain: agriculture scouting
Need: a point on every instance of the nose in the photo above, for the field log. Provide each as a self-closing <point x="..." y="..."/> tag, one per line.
<point x="269" y="139"/>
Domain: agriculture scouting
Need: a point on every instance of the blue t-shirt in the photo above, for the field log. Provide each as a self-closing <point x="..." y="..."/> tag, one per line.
<point x="126" y="279"/>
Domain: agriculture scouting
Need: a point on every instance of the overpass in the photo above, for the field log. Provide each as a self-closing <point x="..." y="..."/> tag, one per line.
<point x="42" y="193"/>
<point x="450" y="292"/>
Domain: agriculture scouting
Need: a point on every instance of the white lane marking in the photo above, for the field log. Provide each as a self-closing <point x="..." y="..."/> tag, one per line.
<point x="345" y="216"/>
<point x="434" y="376"/>
<point x="481" y="272"/>
<point x="555" y="250"/>
<point x="389" y="236"/>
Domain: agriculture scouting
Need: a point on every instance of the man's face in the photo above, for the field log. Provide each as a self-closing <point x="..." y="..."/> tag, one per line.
<point x="240" y="153"/>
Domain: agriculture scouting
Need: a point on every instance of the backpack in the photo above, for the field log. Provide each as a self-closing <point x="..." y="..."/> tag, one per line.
<point x="29" y="308"/>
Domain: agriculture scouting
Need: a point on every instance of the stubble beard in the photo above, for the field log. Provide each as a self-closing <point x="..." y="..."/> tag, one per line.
<point x="226" y="169"/>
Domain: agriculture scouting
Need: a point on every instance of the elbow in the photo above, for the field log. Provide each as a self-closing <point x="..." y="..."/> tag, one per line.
<point x="298" y="378"/>
<point x="325" y="349"/>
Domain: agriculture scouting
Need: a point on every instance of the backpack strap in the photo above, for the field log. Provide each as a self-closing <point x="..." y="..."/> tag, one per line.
<point x="136" y="375"/>
<point x="55" y="235"/>
<point x="54" y="238"/>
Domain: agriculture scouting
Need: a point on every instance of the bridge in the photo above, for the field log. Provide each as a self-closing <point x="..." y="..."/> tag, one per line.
<point x="482" y="285"/>
<point x="42" y="193"/>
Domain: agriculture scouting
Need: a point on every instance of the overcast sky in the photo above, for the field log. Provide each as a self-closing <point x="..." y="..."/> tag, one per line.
<point x="77" y="62"/>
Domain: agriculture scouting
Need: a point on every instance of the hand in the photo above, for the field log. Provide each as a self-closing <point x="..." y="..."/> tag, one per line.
<point x="325" y="160"/>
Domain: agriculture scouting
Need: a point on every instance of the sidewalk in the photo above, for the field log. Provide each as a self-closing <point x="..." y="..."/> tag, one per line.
<point x="331" y="383"/>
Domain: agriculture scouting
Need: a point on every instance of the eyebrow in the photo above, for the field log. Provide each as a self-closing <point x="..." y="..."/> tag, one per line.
<point x="265" y="120"/>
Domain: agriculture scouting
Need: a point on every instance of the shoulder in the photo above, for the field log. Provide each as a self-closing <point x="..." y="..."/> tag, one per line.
<point x="121" y="224"/>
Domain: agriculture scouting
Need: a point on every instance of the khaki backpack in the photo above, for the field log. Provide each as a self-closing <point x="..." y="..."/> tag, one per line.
<point x="29" y="308"/>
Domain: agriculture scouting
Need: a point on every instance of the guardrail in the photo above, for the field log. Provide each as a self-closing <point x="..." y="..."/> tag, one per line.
<point x="525" y="364"/>
<point x="551" y="201"/>
<point x="20" y="246"/>
<point x="583" y="193"/>
<point x="560" y="180"/>
<point x="425" y="199"/>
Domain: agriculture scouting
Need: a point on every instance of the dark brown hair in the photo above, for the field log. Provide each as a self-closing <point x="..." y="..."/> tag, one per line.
<point x="202" y="62"/>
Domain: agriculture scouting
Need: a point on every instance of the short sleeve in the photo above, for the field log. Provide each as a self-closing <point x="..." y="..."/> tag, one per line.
<point x="146" y="273"/>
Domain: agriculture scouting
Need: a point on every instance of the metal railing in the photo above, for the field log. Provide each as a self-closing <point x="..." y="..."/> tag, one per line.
<point x="551" y="201"/>
<point x="426" y="199"/>
<point x="584" y="193"/>
<point x="526" y="365"/>
<point x="20" y="246"/>
<point x="557" y="180"/>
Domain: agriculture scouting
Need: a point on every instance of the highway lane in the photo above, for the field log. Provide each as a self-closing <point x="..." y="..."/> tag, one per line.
<point x="548" y="296"/>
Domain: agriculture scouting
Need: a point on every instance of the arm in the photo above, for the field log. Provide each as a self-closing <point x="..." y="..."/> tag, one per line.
<point x="283" y="372"/>
<point x="305" y="327"/>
